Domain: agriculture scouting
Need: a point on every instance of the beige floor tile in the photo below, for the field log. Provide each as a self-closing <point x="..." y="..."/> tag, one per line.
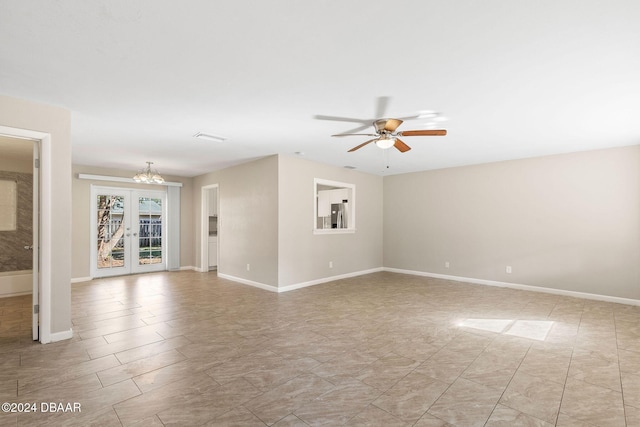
<point x="492" y="369"/>
<point x="290" y="421"/>
<point x="149" y="350"/>
<point x="244" y="365"/>
<point x="592" y="404"/>
<point x="155" y="401"/>
<point x="169" y="374"/>
<point x="113" y="327"/>
<point x="629" y="341"/>
<point x="591" y="368"/>
<point x="152" y="421"/>
<point x="565" y="420"/>
<point x="139" y="367"/>
<point x="282" y="400"/>
<point x="52" y="376"/>
<point x="410" y="397"/>
<point x="503" y="416"/>
<point x="338" y="405"/>
<point x="533" y="396"/>
<point x="278" y="372"/>
<point x="94" y="407"/>
<point x="205" y="405"/>
<point x="240" y="417"/>
<point x="347" y="364"/>
<point x="70" y="355"/>
<point x="67" y="390"/>
<point x="446" y="365"/>
<point x="632" y="414"/>
<point x="629" y="361"/>
<point x="106" y="349"/>
<point x="469" y="344"/>
<point x="466" y="403"/>
<point x="548" y="362"/>
<point x="631" y="389"/>
<point x="373" y="416"/>
<point x="386" y="371"/>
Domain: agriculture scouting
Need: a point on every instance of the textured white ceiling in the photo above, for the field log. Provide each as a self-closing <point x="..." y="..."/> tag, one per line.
<point x="514" y="79"/>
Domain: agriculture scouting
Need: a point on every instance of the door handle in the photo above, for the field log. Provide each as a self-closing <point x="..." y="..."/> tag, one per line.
<point x="28" y="248"/>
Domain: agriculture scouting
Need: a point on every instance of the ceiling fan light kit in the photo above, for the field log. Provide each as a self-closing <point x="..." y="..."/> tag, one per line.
<point x="385" y="142"/>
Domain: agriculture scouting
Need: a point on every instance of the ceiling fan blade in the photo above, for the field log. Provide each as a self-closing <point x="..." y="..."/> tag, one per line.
<point x="360" y="128"/>
<point x="415" y="116"/>
<point x="354" y="134"/>
<point x="427" y="132"/>
<point x="392" y="124"/>
<point x="342" y="119"/>
<point x="401" y="146"/>
<point x="361" y="145"/>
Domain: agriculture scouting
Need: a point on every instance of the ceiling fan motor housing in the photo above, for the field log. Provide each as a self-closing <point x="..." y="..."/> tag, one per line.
<point x="386" y="125"/>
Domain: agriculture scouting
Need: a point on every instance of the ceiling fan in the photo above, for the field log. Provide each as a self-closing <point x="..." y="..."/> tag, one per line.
<point x="387" y="137"/>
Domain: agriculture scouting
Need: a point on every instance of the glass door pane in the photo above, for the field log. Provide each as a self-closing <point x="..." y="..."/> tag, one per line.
<point x="110" y="231"/>
<point x="149" y="230"/>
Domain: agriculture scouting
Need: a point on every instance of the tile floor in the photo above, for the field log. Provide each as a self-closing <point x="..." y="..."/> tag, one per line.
<point x="383" y="349"/>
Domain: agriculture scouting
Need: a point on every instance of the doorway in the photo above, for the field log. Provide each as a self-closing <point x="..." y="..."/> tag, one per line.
<point x="20" y="219"/>
<point x="210" y="226"/>
<point x="128" y="231"/>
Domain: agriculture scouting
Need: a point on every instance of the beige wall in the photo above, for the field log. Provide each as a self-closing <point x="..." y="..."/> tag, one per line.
<point x="247" y="219"/>
<point x="569" y="222"/>
<point x="304" y="256"/>
<point x="55" y="121"/>
<point x="12" y="160"/>
<point x="266" y="217"/>
<point x="81" y="208"/>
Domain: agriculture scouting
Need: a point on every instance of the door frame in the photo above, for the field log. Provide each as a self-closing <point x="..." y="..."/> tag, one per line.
<point x="41" y="295"/>
<point x="204" y="226"/>
<point x="132" y="268"/>
<point x="35" y="322"/>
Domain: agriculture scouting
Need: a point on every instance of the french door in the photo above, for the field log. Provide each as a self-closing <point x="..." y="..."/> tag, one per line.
<point x="128" y="231"/>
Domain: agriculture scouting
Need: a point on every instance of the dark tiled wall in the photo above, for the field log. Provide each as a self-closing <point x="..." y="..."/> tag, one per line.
<point x="13" y="256"/>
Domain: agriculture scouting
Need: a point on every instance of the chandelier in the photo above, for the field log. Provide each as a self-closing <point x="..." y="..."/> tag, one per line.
<point x="148" y="176"/>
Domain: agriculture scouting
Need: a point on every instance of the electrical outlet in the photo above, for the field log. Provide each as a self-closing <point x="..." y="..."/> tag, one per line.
<point x="446" y="264"/>
<point x="330" y="264"/>
<point x="508" y="269"/>
<point x="248" y="267"/>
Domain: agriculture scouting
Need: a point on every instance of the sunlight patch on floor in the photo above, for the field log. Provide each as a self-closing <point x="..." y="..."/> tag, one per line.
<point x="490" y="325"/>
<point x="532" y="329"/>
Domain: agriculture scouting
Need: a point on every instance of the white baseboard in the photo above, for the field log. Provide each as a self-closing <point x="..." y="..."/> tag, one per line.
<point x="297" y="285"/>
<point x="328" y="279"/>
<point x="248" y="282"/>
<point x="13" y="285"/>
<point x="562" y="292"/>
<point x="86" y="279"/>
<point x="15" y="294"/>
<point x="189" y="267"/>
<point x="60" y="336"/>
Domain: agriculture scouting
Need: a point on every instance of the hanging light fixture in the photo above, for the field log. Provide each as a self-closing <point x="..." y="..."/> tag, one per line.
<point x="147" y="176"/>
